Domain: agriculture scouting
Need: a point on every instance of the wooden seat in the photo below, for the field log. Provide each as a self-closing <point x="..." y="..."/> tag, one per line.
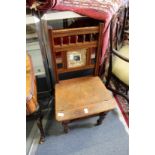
<point x="79" y="97"/>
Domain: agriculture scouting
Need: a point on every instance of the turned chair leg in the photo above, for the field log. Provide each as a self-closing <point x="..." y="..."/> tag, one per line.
<point x="40" y="126"/>
<point x="101" y="118"/>
<point x="65" y="125"/>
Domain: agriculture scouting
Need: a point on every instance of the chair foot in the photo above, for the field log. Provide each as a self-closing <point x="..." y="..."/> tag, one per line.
<point x="40" y="126"/>
<point x="101" y="118"/>
<point x="65" y="125"/>
<point x="41" y="140"/>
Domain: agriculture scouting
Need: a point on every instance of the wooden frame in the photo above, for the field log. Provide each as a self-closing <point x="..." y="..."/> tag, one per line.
<point x="76" y="40"/>
<point x="33" y="109"/>
<point x="88" y="40"/>
<point x="115" y="43"/>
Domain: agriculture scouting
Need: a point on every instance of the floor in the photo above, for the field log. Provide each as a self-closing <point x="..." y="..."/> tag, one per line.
<point x="110" y="138"/>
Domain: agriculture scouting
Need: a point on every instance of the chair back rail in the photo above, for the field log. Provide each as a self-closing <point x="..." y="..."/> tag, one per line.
<point x="64" y="42"/>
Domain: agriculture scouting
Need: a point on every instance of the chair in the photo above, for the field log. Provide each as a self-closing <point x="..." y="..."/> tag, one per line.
<point x="32" y="107"/>
<point x="75" y="52"/>
<point x="119" y="54"/>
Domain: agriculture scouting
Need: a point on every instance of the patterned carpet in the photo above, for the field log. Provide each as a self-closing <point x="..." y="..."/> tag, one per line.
<point x="124" y="107"/>
<point x="122" y="102"/>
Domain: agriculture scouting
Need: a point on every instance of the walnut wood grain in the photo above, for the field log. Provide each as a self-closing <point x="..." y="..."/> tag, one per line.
<point x="53" y="55"/>
<point x="88" y="56"/>
<point x="98" y="54"/>
<point x="64" y="58"/>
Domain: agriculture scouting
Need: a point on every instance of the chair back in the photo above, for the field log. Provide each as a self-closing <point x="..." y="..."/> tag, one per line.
<point x="116" y="38"/>
<point x="117" y="29"/>
<point x="75" y="49"/>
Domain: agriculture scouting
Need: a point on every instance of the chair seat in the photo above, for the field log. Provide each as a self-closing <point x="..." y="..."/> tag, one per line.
<point x="81" y="97"/>
<point x="120" y="68"/>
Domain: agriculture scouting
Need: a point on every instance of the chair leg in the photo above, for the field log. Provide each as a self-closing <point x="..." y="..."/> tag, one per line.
<point x="65" y="125"/>
<point x="101" y="118"/>
<point x="40" y="126"/>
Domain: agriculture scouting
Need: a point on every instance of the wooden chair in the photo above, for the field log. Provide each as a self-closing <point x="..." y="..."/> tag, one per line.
<point x="73" y="50"/>
<point x="119" y="54"/>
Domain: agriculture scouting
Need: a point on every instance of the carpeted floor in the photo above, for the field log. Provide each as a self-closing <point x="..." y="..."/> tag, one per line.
<point x="124" y="107"/>
<point x="122" y="102"/>
<point x="110" y="138"/>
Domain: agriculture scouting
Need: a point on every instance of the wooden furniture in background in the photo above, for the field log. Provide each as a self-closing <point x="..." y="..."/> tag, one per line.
<point x="78" y="49"/>
<point x="32" y="106"/>
<point x="119" y="53"/>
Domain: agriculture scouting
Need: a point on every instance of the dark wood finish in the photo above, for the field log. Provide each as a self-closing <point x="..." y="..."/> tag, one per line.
<point x="88" y="56"/>
<point x="40" y="126"/>
<point x="116" y="40"/>
<point x="64" y="57"/>
<point x="38" y="116"/>
<point x="119" y="93"/>
<point x="65" y="125"/>
<point x="53" y="57"/>
<point x="101" y="118"/>
<point x="99" y="50"/>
